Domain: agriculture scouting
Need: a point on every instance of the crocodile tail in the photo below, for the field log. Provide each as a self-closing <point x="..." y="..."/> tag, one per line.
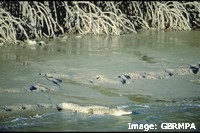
<point x="120" y="113"/>
<point x="127" y="113"/>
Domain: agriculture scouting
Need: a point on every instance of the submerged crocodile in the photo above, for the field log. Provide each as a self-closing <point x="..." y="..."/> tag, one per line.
<point x="97" y="110"/>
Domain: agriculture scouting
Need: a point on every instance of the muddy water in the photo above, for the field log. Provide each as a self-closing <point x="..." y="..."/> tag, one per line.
<point x="92" y="70"/>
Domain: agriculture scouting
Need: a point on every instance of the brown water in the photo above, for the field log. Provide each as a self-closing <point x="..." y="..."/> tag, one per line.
<point x="173" y="99"/>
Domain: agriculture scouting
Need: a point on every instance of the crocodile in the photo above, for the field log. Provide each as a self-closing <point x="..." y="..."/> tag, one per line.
<point x="96" y="110"/>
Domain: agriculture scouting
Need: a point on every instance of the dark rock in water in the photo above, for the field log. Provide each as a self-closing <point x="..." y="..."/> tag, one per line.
<point x="144" y="76"/>
<point x="127" y="76"/>
<point x="170" y="73"/>
<point x="54" y="80"/>
<point x="23" y="107"/>
<point x="32" y="88"/>
<point x="38" y="87"/>
<point x="59" y="108"/>
<point x="98" y="77"/>
<point x="194" y="69"/>
<point x="119" y="76"/>
<point x="124" y="76"/>
<point x="7" y="109"/>
<point x="123" y="81"/>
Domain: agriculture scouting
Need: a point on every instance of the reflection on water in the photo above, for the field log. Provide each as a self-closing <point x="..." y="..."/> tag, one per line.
<point x="97" y="45"/>
<point x="82" y="59"/>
